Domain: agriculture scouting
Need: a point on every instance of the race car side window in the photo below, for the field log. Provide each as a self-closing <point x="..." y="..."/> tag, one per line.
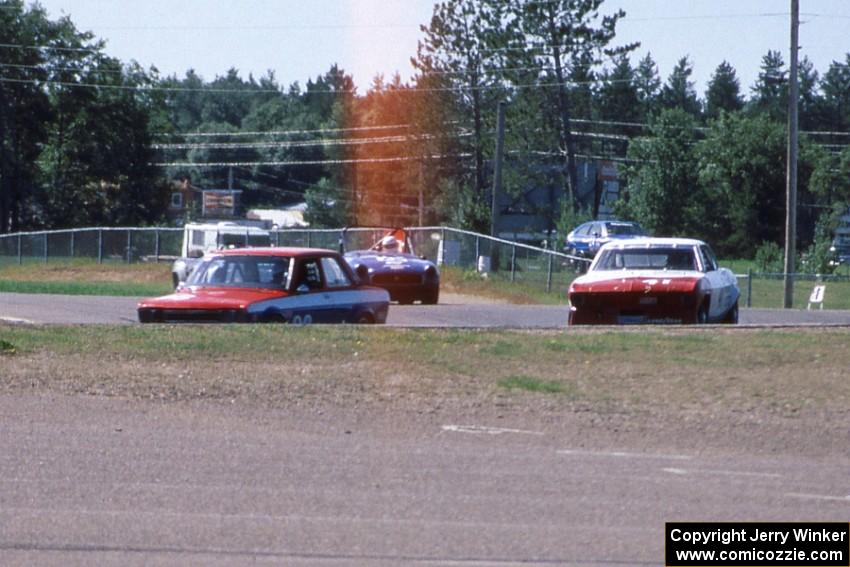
<point x="709" y="262"/>
<point x="335" y="276"/>
<point x="309" y="277"/>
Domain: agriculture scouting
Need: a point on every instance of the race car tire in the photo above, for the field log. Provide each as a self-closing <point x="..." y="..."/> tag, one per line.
<point x="731" y="315"/>
<point x="365" y="319"/>
<point x="431" y="297"/>
<point x="702" y="314"/>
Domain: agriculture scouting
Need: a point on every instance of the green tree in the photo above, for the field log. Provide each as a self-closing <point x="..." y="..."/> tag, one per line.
<point x="770" y="93"/>
<point x="678" y="91"/>
<point x="464" y="41"/>
<point x="618" y="102"/>
<point x="618" y="94"/>
<point x="663" y="190"/>
<point x="724" y="92"/>
<point x="24" y="109"/>
<point x="742" y="167"/>
<point x="185" y="101"/>
<point x="327" y="205"/>
<point x="566" y="33"/>
<point x="836" y="96"/>
<point x="648" y="86"/>
<point x="810" y="99"/>
<point x="96" y="164"/>
<point x="289" y="133"/>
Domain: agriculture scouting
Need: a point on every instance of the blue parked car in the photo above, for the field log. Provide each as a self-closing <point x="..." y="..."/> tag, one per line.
<point x="586" y="239"/>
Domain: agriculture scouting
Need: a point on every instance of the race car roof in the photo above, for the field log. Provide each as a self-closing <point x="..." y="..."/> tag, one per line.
<point x="274" y="251"/>
<point x="652" y="241"/>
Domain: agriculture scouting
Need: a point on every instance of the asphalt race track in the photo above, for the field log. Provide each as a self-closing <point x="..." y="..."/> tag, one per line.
<point x="104" y="481"/>
<point x="89" y="480"/>
<point x="453" y="311"/>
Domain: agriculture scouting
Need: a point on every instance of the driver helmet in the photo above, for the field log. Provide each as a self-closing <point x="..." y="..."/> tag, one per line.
<point x="389" y="243"/>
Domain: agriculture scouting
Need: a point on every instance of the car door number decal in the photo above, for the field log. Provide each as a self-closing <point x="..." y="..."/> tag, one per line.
<point x="299" y="320"/>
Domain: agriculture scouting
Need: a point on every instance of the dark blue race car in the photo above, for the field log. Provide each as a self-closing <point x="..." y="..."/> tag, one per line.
<point x="392" y="264"/>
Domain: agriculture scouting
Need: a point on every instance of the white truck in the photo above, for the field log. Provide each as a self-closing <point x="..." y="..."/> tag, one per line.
<point x="200" y="238"/>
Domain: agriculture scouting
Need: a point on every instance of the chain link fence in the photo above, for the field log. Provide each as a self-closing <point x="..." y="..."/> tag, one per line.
<point x="502" y="260"/>
<point x="450" y="247"/>
<point x="104" y="245"/>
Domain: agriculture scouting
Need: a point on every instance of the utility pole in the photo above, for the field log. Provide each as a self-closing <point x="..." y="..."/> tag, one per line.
<point x="791" y="179"/>
<point x="497" y="167"/>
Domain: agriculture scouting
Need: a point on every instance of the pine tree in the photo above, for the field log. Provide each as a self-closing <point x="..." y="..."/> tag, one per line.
<point x="770" y="93"/>
<point x="678" y="91"/>
<point x="648" y="85"/>
<point x="724" y="92"/>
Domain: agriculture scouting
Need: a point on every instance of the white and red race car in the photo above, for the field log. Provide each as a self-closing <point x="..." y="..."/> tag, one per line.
<point x="654" y="280"/>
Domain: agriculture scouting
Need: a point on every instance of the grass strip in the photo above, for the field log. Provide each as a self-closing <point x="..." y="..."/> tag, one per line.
<point x="531" y="384"/>
<point x="85" y="288"/>
<point x="738" y="370"/>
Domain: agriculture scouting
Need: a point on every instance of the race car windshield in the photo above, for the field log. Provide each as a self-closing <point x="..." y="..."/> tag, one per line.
<point x="625" y="229"/>
<point x="647" y="259"/>
<point x="242" y="271"/>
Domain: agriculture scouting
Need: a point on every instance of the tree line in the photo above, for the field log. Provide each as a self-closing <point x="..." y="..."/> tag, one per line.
<point x="89" y="140"/>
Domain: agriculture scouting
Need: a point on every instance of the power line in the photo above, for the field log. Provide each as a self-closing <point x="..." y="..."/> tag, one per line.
<point x="308" y="162"/>
<point x="50" y="47"/>
<point x="37" y="82"/>
<point x="300" y="143"/>
<point x="286" y="132"/>
<point x="406" y="90"/>
<point x="54" y="69"/>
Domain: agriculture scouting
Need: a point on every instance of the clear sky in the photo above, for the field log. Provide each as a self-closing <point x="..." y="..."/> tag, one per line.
<point x="300" y="39"/>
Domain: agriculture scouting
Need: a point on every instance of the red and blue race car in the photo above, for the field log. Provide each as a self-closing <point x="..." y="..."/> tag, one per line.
<point x="286" y="285"/>
<point x="392" y="264"/>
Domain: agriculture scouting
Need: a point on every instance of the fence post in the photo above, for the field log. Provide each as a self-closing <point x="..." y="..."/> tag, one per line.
<point x="20" y="250"/>
<point x="100" y="246"/>
<point x="72" y="244"/>
<point x="477" y="251"/>
<point x="749" y="287"/>
<point x="156" y="245"/>
<point x="513" y="263"/>
<point x="549" y="275"/>
<point x="45" y="248"/>
<point x="129" y="244"/>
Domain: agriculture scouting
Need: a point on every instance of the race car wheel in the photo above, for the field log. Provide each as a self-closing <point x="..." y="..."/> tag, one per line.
<point x="431" y="297"/>
<point x="365" y="319"/>
<point x="702" y="314"/>
<point x="732" y="315"/>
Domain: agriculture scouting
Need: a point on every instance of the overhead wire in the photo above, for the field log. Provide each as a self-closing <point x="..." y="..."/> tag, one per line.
<point x="309" y="162"/>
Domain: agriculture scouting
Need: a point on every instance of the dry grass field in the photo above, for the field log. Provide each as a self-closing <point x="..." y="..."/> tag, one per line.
<point x="791" y="384"/>
<point x="784" y="386"/>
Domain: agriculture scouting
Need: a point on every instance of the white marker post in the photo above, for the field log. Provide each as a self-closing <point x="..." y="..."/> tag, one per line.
<point x="816" y="297"/>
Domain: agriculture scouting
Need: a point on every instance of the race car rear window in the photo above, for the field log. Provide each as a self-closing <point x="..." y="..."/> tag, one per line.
<point x="647" y="259"/>
<point x="242" y="271"/>
<point x="624" y="228"/>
